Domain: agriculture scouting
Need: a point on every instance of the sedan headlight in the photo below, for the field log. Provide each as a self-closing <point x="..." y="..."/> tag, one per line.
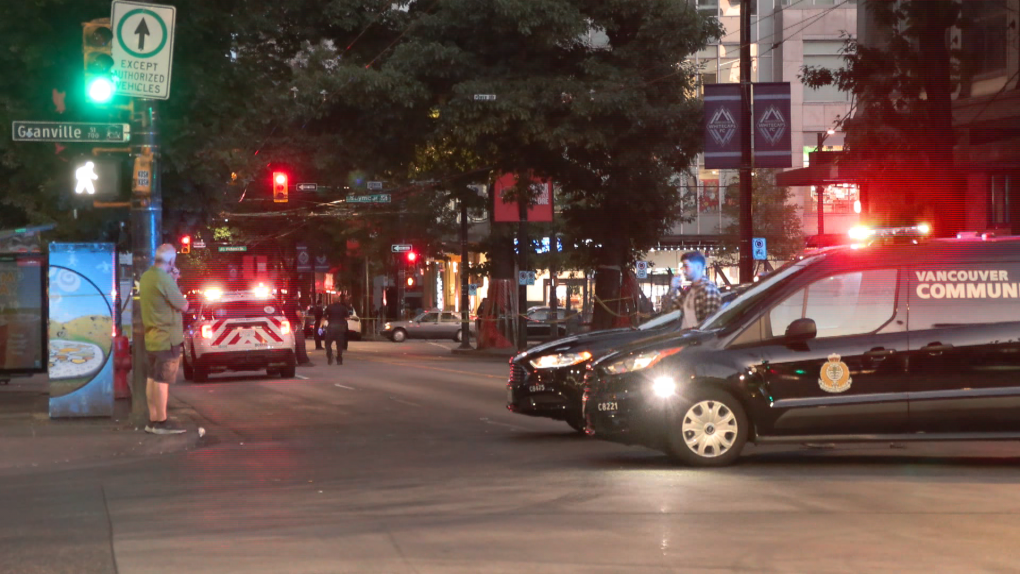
<point x="387" y="326"/>
<point x="559" y="360"/>
<point x="640" y="361"/>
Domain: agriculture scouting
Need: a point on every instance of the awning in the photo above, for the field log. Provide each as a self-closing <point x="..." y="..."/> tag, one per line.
<point x="817" y="175"/>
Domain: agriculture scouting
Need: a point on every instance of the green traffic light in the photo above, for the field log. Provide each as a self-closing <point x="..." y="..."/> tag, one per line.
<point x="101" y="90"/>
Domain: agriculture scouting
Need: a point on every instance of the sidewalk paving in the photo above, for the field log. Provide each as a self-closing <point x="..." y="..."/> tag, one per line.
<point x="30" y="438"/>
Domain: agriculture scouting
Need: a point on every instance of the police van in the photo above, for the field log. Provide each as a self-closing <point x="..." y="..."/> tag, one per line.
<point x="239" y="331"/>
<point x="896" y="338"/>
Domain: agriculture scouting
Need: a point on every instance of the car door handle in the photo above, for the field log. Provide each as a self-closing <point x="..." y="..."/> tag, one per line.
<point x="936" y="348"/>
<point x="879" y="354"/>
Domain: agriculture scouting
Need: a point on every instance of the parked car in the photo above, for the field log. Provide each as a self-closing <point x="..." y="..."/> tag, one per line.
<point x="548" y="380"/>
<point x="908" y="340"/>
<point x="428" y="325"/>
<point x="541" y="322"/>
<point x="353" y="325"/>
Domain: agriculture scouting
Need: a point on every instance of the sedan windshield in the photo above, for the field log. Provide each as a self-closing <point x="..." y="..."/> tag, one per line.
<point x="733" y="313"/>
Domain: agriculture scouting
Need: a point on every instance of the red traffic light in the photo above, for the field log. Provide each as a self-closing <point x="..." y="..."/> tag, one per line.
<point x="412" y="256"/>
<point x="186" y="240"/>
<point x="279" y="187"/>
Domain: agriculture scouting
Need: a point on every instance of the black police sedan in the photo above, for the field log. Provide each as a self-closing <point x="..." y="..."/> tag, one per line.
<point x="547" y="380"/>
<point x="879" y="343"/>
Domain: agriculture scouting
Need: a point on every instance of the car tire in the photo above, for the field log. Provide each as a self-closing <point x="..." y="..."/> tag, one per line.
<point x="201" y="374"/>
<point x="458" y="336"/>
<point x="272" y="372"/>
<point x="576" y="422"/>
<point x="189" y="373"/>
<point x="707" y="429"/>
<point x="399" y="336"/>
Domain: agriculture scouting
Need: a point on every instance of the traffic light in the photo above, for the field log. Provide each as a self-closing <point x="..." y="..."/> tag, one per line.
<point x="410" y="281"/>
<point x="279" y="187"/>
<point x="97" y="47"/>
<point x="185" y="244"/>
<point x="412" y="257"/>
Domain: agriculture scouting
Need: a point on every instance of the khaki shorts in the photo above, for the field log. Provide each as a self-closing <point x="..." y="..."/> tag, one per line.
<point x="163" y="364"/>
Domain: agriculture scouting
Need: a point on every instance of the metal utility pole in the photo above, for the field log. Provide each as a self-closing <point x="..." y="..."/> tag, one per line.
<point x="819" y="189"/>
<point x="746" y="159"/>
<point x="146" y="234"/>
<point x="523" y="245"/>
<point x="465" y="311"/>
<point x="554" y="329"/>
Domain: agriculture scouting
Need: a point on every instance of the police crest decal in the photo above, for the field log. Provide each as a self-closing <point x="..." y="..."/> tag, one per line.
<point x="835" y="376"/>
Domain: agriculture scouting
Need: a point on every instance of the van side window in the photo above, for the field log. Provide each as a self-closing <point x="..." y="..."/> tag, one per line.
<point x="841" y="305"/>
<point x="944" y="296"/>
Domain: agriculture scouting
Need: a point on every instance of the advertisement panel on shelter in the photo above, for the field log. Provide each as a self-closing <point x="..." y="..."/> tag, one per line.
<point x="81" y="315"/>
<point x="722" y="128"/>
<point x="507" y="211"/>
<point x="772" y="145"/>
<point x="22" y="313"/>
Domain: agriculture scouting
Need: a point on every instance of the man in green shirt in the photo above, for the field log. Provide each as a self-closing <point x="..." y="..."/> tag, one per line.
<point x="162" y="306"/>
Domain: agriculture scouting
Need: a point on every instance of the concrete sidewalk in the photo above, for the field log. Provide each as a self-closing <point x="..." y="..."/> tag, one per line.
<point x="29" y="438"/>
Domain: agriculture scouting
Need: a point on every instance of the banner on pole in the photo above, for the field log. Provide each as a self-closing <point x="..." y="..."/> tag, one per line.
<point x="540" y="210"/>
<point x="772" y="126"/>
<point x="722" y="126"/>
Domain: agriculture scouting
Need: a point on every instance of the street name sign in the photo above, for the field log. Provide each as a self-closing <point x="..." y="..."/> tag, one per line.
<point x="758" y="249"/>
<point x="143" y="48"/>
<point x="375" y="186"/>
<point x="199" y="244"/>
<point x="374" y="198"/>
<point x="73" y="132"/>
<point x="400" y="248"/>
<point x="232" y="248"/>
<point x="485" y="97"/>
<point x="306" y="187"/>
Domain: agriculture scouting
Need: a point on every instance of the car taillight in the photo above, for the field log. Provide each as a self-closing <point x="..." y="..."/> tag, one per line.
<point x="207" y="331"/>
<point x="285" y="326"/>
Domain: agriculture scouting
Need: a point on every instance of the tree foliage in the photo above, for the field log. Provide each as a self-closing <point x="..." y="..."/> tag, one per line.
<point x="775" y="218"/>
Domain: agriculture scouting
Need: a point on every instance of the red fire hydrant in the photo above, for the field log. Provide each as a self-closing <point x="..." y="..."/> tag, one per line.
<point x="121" y="367"/>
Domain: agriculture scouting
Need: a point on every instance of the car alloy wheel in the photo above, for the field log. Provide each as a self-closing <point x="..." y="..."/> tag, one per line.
<point x="399" y="335"/>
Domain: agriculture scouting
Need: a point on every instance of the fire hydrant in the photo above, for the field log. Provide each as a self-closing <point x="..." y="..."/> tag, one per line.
<point x="121" y="367"/>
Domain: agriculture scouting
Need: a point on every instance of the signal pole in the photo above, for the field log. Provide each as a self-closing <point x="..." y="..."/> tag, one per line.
<point x="746" y="159"/>
<point x="146" y="234"/>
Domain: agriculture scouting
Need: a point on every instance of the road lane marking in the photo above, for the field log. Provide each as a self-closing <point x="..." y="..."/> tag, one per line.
<point x="487" y="421"/>
<point x="302" y="377"/>
<point x="443" y="347"/>
<point x="344" y="387"/>
<point x="405" y="402"/>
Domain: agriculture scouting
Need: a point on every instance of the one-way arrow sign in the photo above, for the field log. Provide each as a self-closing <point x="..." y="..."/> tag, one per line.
<point x="142" y="31"/>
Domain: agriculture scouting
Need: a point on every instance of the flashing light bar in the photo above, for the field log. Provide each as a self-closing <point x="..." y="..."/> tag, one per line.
<point x="861" y="233"/>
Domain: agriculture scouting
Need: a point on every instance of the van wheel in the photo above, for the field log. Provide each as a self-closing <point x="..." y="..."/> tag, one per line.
<point x="399" y="336"/>
<point x="201" y="374"/>
<point x="273" y="372"/>
<point x="708" y="429"/>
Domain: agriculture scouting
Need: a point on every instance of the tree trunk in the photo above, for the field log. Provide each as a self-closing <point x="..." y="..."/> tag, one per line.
<point x="497" y="317"/>
<point x="608" y="305"/>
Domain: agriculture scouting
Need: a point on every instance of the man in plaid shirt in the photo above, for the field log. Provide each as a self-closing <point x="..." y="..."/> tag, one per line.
<point x="702" y="298"/>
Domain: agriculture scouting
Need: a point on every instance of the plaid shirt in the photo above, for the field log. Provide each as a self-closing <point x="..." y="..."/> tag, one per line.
<point x="707" y="298"/>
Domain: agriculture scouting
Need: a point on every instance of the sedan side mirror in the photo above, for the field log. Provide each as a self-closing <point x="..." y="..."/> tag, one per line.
<point x="801" y="330"/>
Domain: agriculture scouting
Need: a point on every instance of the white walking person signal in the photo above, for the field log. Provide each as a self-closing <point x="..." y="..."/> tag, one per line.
<point x="85" y="175"/>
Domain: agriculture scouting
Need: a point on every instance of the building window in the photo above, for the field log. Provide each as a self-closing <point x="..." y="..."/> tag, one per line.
<point x="836" y="198"/>
<point x="708" y="7"/>
<point x="984" y="40"/>
<point x="998" y="196"/>
<point x="824" y="54"/>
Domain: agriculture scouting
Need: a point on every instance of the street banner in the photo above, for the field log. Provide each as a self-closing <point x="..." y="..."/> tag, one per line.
<point x="23" y="347"/>
<point x="81" y="316"/>
<point x="508" y="211"/>
<point x="321" y="264"/>
<point x="304" y="260"/>
<point x="722" y="129"/>
<point x="772" y="126"/>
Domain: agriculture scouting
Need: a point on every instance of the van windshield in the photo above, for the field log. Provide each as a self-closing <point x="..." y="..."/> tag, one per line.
<point x="735" y="312"/>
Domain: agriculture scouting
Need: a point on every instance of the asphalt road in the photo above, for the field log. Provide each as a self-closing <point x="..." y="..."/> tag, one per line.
<point x="405" y="460"/>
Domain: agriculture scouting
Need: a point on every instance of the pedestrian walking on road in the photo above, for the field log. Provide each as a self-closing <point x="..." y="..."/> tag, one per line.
<point x="292" y="311"/>
<point x="317" y="311"/>
<point x="336" y="330"/>
<point x="162" y="307"/>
